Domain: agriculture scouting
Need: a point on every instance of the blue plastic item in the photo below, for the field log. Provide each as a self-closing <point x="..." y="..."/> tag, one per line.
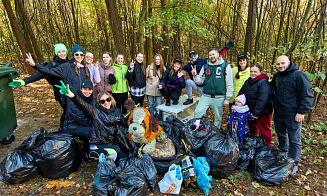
<point x="202" y="169"/>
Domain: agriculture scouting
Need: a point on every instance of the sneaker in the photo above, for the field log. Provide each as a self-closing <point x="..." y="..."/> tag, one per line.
<point x="188" y="101"/>
<point x="175" y="102"/>
<point x="168" y="102"/>
<point x="295" y="169"/>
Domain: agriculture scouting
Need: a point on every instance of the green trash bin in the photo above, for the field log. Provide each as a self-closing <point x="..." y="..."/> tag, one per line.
<point x="8" y="122"/>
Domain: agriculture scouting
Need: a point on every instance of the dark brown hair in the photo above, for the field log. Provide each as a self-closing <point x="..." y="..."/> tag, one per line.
<point x="86" y="71"/>
<point x="257" y="66"/>
<point x="239" y="69"/>
<point x="142" y="64"/>
<point x="172" y="71"/>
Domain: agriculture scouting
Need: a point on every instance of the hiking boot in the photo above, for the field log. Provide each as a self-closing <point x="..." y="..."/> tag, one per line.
<point x="295" y="169"/>
<point x="168" y="102"/>
<point x="188" y="101"/>
<point x="175" y="102"/>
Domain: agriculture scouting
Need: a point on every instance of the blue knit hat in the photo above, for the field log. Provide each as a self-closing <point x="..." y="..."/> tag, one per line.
<point x="77" y="48"/>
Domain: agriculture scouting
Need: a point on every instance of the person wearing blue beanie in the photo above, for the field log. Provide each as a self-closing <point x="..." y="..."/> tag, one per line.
<point x="77" y="48"/>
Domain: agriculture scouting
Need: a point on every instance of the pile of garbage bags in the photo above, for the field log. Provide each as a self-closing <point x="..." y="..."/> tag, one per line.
<point x="55" y="155"/>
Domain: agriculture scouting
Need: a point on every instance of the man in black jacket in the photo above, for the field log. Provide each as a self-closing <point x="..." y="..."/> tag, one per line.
<point x="292" y="100"/>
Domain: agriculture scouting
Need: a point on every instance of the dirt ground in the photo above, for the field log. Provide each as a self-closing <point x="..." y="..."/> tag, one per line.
<point x="36" y="107"/>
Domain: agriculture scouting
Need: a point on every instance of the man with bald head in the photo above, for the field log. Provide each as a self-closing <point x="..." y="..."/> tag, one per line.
<point x="292" y="100"/>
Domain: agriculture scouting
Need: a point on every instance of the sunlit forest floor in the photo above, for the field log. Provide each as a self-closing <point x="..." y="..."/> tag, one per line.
<point x="36" y="107"/>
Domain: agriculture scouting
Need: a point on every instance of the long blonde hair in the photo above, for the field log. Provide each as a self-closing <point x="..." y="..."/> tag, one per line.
<point x="113" y="102"/>
<point x="154" y="64"/>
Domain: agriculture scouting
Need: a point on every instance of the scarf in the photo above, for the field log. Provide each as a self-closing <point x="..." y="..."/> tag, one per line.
<point x="102" y="67"/>
<point x="86" y="99"/>
<point x="241" y="109"/>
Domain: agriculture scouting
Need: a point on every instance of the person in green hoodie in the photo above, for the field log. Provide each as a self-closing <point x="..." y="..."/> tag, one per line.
<point x="120" y="88"/>
<point x="217" y="76"/>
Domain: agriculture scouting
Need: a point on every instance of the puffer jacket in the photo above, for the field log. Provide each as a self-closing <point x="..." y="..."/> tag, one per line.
<point x="105" y="121"/>
<point x="137" y="77"/>
<point x="75" y="117"/>
<point x="172" y="81"/>
<point x="257" y="95"/>
<point x="292" y="92"/>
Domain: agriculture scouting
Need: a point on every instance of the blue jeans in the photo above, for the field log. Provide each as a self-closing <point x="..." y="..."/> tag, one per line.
<point x="151" y="103"/>
<point x="191" y="85"/>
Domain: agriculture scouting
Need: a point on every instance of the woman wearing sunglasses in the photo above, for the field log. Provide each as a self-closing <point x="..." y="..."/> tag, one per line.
<point x="73" y="72"/>
<point x="106" y="117"/>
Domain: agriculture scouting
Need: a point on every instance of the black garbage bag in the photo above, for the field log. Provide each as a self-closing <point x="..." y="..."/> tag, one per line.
<point x="222" y="153"/>
<point x="19" y="165"/>
<point x="261" y="152"/>
<point x="145" y="165"/>
<point x="57" y="155"/>
<point x="246" y="155"/>
<point x="131" y="182"/>
<point x="173" y="127"/>
<point x="104" y="181"/>
<point x="163" y="163"/>
<point x="271" y="167"/>
<point x="254" y="141"/>
<point x="196" y="138"/>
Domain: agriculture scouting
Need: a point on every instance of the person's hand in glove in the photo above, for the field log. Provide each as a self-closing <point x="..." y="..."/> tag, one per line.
<point x="16" y="83"/>
<point x="112" y="79"/>
<point x="229" y="45"/>
<point x="65" y="89"/>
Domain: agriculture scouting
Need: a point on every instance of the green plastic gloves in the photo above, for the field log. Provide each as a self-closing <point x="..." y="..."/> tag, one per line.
<point x="16" y="83"/>
<point x="64" y="89"/>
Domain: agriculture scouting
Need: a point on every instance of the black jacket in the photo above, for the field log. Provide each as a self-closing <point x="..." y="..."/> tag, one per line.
<point x="172" y="81"/>
<point x="105" y="121"/>
<point x="137" y="77"/>
<point x="257" y="95"/>
<point x="75" y="117"/>
<point x="66" y="72"/>
<point x="292" y="92"/>
<point x="51" y="79"/>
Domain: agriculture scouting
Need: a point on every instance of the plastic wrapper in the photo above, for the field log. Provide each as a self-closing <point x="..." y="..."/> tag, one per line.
<point x="197" y="138"/>
<point x="189" y="174"/>
<point x="222" y="154"/>
<point x="172" y="181"/>
<point x="202" y="169"/>
<point x="57" y="155"/>
<point x="145" y="165"/>
<point x="246" y="155"/>
<point x="19" y="165"/>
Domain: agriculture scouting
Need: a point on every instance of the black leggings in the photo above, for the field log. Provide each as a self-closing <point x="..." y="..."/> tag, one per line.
<point x="64" y="108"/>
<point x="138" y="100"/>
<point x="120" y="99"/>
<point x="169" y="93"/>
<point x="83" y="133"/>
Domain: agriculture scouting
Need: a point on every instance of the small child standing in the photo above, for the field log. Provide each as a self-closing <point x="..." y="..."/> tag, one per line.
<point x="237" y="121"/>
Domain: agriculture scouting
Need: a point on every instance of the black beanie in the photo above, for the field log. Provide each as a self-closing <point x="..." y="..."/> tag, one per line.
<point x="77" y="48"/>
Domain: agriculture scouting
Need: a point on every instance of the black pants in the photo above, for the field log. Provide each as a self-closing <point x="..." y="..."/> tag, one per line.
<point x="120" y="99"/>
<point x="83" y="133"/>
<point x="138" y="100"/>
<point x="169" y="93"/>
<point x="101" y="149"/>
<point x="64" y="108"/>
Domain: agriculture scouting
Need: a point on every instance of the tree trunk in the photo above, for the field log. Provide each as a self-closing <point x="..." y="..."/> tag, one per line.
<point x="165" y="45"/>
<point x="140" y="27"/>
<point x="17" y="32"/>
<point x="75" y="20"/>
<point x="148" y="39"/>
<point x="250" y="26"/>
<point x="116" y="27"/>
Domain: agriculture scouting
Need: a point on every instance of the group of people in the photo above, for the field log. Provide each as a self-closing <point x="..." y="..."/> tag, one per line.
<point x="97" y="93"/>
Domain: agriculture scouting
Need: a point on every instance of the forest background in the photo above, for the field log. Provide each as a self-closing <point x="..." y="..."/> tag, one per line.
<point x="262" y="29"/>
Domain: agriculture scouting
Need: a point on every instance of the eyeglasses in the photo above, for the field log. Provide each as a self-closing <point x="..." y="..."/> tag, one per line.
<point x="89" y="57"/>
<point x="78" y="54"/>
<point x="192" y="56"/>
<point x="103" y="101"/>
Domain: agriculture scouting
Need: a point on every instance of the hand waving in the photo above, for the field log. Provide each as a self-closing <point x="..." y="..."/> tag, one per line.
<point x="29" y="59"/>
<point x="180" y="73"/>
<point x="96" y="64"/>
<point x="64" y="89"/>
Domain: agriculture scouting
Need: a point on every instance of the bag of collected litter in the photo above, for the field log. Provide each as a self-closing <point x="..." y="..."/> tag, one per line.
<point x="202" y="169"/>
<point x="145" y="164"/>
<point x="104" y="178"/>
<point x="221" y="153"/>
<point x="19" y="165"/>
<point x="254" y="141"/>
<point x="173" y="127"/>
<point x="196" y="132"/>
<point x="271" y="168"/>
<point x="130" y="182"/>
<point x="163" y="163"/>
<point x="172" y="181"/>
<point x="261" y="152"/>
<point x="246" y="155"/>
<point x="57" y="155"/>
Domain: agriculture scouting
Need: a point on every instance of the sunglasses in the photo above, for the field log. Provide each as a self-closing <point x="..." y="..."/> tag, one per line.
<point x="78" y="54"/>
<point x="192" y="56"/>
<point x="103" y="101"/>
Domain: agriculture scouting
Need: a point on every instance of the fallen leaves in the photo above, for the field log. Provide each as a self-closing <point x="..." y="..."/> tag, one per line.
<point x="58" y="184"/>
<point x="255" y="184"/>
